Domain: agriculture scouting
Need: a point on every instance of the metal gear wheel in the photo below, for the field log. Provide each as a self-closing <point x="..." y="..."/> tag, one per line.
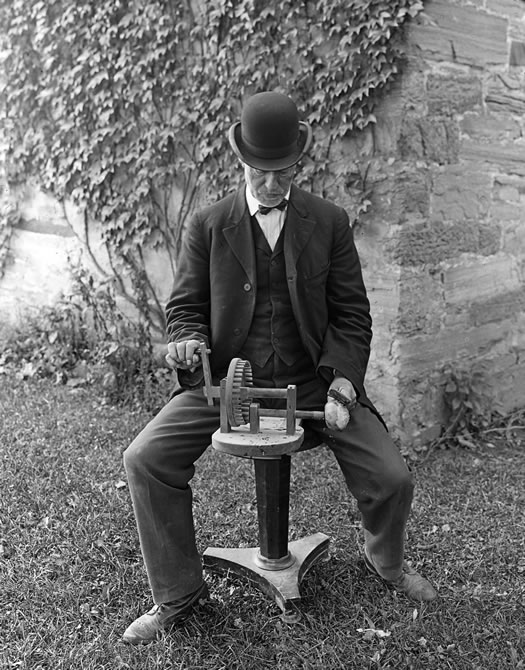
<point x="239" y="375"/>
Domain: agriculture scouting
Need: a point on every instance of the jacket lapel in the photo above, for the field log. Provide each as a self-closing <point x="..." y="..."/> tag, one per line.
<point x="297" y="231"/>
<point x="239" y="235"/>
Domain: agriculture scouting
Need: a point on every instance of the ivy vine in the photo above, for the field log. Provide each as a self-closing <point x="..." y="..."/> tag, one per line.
<point x="124" y="106"/>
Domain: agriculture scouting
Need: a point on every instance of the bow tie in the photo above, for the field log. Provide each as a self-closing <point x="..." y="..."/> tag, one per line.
<point x="264" y="210"/>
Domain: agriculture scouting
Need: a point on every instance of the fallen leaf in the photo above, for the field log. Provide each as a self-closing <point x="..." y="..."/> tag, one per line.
<point x="369" y="633"/>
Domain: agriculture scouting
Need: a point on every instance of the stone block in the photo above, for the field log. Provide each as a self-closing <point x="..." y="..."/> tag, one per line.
<point x="383" y="293"/>
<point x="381" y="185"/>
<point x="506" y="94"/>
<point x="514" y="236"/>
<point x="509" y="194"/>
<point x="420" y="303"/>
<point x="422" y="410"/>
<point x="433" y="138"/>
<point x="386" y="133"/>
<point x="381" y="384"/>
<point x="460" y="34"/>
<point x="492" y="127"/>
<point x="426" y="388"/>
<point x="422" y="354"/>
<point x="477" y="3"/>
<point x="508" y="381"/>
<point x="454" y="316"/>
<point x="514" y="185"/>
<point x="503" y="212"/>
<point x="414" y="97"/>
<point x="407" y="93"/>
<point x="517" y="54"/>
<point x="508" y="200"/>
<point x="453" y="93"/>
<point x="460" y="194"/>
<point x="410" y="195"/>
<point x="516" y="31"/>
<point x="506" y="157"/>
<point x="513" y="9"/>
<point x="497" y="308"/>
<point x="478" y="280"/>
<point x="489" y="241"/>
<point x="432" y="243"/>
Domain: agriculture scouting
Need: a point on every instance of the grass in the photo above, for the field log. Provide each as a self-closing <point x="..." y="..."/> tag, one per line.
<point x="71" y="576"/>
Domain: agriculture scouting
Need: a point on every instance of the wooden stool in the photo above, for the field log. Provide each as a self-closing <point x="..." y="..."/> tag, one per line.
<point x="268" y="437"/>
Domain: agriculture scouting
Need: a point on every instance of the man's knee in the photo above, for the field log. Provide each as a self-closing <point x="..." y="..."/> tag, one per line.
<point x="140" y="455"/>
<point x="403" y="480"/>
<point x="392" y="472"/>
<point x="397" y="480"/>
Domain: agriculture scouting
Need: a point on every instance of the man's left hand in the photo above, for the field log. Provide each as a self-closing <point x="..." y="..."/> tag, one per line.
<point x="337" y="412"/>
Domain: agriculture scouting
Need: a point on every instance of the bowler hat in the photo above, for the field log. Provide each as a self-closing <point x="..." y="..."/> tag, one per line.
<point x="269" y="135"/>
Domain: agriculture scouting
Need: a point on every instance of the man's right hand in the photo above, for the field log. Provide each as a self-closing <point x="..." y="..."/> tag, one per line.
<point x="184" y="354"/>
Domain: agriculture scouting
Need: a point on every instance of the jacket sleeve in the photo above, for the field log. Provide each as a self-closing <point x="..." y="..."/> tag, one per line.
<point x="188" y="308"/>
<point x="346" y="345"/>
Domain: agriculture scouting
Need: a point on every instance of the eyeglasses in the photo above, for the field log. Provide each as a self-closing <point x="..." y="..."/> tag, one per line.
<point x="286" y="172"/>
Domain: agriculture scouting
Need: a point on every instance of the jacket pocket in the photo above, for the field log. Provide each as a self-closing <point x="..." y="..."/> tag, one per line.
<point x="316" y="274"/>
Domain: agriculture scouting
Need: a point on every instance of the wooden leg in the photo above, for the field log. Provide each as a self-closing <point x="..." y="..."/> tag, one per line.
<point x="282" y="585"/>
<point x="272" y="486"/>
<point x="275" y="566"/>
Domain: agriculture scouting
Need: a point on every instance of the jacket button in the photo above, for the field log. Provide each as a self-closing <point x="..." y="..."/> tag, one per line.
<point x="247" y="287"/>
<point x="236" y="331"/>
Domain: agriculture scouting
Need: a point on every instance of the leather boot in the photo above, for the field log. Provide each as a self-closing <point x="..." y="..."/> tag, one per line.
<point x="410" y="582"/>
<point x="146" y="628"/>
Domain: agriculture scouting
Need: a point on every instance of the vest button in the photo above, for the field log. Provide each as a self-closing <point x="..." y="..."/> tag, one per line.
<point x="247" y="287"/>
<point x="236" y="331"/>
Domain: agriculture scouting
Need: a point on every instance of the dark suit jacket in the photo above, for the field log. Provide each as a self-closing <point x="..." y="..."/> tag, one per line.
<point x="214" y="291"/>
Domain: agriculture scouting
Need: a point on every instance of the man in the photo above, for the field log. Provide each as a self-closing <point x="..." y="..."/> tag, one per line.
<point x="269" y="274"/>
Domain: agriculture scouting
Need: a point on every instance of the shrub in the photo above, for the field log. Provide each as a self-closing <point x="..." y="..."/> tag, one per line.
<point x="468" y="400"/>
<point x="88" y="338"/>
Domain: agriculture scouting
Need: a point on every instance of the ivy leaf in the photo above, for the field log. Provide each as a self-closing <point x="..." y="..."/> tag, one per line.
<point x="109" y="104"/>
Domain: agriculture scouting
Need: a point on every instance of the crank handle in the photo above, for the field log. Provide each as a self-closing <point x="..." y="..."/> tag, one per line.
<point x="210" y="391"/>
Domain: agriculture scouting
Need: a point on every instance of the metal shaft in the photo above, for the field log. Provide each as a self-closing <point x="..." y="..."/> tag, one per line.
<point x="299" y="413"/>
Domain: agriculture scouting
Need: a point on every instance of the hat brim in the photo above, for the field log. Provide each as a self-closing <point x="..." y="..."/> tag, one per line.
<point x="303" y="143"/>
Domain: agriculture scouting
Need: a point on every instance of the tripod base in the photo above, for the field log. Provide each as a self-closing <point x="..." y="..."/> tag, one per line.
<point x="278" y="578"/>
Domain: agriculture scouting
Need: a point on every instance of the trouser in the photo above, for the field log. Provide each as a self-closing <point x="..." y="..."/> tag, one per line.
<point x="160" y="464"/>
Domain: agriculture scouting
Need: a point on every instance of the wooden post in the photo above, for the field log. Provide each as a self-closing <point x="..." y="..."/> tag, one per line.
<point x="291" y="407"/>
<point x="272" y="486"/>
<point x="225" y="423"/>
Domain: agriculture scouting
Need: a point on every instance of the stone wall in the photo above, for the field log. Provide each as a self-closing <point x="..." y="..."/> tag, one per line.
<point x="443" y="242"/>
<point x="34" y="271"/>
<point x="445" y="246"/>
<point x="47" y="244"/>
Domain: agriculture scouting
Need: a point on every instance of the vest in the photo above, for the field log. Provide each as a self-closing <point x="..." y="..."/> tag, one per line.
<point x="273" y="328"/>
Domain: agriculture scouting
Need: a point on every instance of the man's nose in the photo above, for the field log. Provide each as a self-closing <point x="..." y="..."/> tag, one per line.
<point x="271" y="180"/>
